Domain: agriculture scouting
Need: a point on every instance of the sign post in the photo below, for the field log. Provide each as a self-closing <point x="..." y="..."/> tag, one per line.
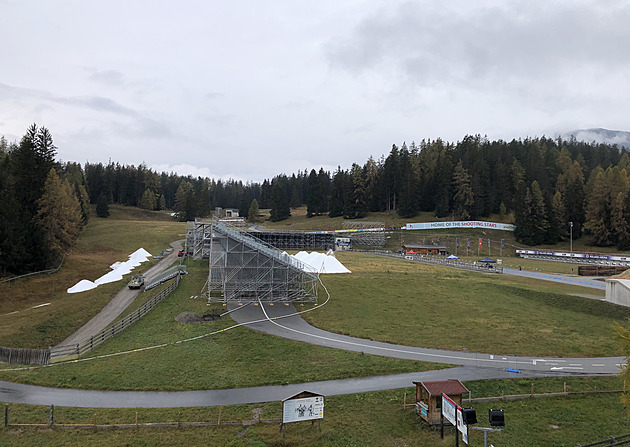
<point x="453" y="413"/>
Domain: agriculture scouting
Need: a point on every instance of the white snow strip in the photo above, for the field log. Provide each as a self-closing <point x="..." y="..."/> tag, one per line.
<point x="119" y="269"/>
<point x="82" y="286"/>
<point x="40" y="305"/>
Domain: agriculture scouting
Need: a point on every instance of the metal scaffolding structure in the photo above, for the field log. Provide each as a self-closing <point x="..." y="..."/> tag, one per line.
<point x="244" y="268"/>
<point x="297" y="240"/>
<point x="366" y="238"/>
<point x="199" y="233"/>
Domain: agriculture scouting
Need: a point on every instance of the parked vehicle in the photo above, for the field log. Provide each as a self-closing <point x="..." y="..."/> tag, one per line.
<point x="137" y="281"/>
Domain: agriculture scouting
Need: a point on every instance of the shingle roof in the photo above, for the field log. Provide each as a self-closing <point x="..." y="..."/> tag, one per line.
<point x="448" y="387"/>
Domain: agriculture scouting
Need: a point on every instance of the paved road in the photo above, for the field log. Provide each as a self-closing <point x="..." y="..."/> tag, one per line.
<point x="285" y="323"/>
<point x="583" y="281"/>
<point x="119" y="303"/>
<point x="19" y="393"/>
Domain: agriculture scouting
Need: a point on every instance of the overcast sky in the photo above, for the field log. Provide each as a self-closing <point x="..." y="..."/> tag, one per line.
<point x="250" y="89"/>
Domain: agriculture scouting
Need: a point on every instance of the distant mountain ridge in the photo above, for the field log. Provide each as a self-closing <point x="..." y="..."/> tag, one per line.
<point x="598" y="135"/>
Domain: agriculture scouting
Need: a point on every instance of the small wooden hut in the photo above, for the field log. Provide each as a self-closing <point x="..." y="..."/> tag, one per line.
<point x="429" y="397"/>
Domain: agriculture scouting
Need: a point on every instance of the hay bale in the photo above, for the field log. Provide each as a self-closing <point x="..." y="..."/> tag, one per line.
<point x="188" y="318"/>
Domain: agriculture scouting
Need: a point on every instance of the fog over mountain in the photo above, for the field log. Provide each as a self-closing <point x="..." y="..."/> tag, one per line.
<point x="599" y="135"/>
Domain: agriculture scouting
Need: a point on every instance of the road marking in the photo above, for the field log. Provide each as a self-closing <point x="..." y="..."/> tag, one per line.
<point x="599" y="364"/>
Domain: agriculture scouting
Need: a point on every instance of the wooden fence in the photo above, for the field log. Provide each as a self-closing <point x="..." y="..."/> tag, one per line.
<point x="41" y="272"/>
<point x="59" y="353"/>
<point x="25" y="356"/>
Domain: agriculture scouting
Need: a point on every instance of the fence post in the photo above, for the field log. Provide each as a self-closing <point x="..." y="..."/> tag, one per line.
<point x="78" y="353"/>
<point x="6" y="415"/>
<point x="51" y="418"/>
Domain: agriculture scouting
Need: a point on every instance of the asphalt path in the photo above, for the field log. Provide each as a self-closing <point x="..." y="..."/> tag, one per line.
<point x="591" y="282"/>
<point x="283" y="321"/>
<point x="36" y="395"/>
<point x="119" y="303"/>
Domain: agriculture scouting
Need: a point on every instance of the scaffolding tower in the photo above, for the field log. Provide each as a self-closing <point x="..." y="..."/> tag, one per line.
<point x="366" y="238"/>
<point x="244" y="268"/>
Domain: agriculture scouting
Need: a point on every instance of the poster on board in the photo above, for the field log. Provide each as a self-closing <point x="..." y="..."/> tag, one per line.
<point x="305" y="409"/>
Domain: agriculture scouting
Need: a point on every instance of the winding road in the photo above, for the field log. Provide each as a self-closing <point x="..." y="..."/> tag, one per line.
<point x="284" y="321"/>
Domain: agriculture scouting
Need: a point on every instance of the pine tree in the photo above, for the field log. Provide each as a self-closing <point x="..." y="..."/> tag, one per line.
<point x="148" y="201"/>
<point x="204" y="205"/>
<point x="280" y="209"/>
<point x="313" y="195"/>
<point x="337" y="190"/>
<point x="539" y="214"/>
<point x="355" y="206"/>
<point x="59" y="215"/>
<point x="463" y="198"/>
<point x="574" y="199"/>
<point x="252" y="215"/>
<point x="102" y="207"/>
<point x="185" y="202"/>
<point x="162" y="203"/>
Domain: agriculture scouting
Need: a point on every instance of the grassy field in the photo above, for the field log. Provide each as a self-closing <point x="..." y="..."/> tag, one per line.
<point x="415" y="304"/>
<point x="384" y="299"/>
<point x="235" y="358"/>
<point x="365" y="419"/>
<point x="103" y="242"/>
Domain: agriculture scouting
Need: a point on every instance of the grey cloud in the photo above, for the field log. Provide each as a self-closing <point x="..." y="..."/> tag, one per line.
<point x="486" y="45"/>
<point x="98" y="104"/>
<point x="10" y="92"/>
<point x="144" y="128"/>
<point x="214" y="95"/>
<point x="108" y="77"/>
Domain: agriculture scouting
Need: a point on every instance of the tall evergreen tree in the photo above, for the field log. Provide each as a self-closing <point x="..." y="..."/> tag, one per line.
<point x="59" y="215"/>
<point x="148" y="200"/>
<point x="355" y="205"/>
<point x="280" y="209"/>
<point x="463" y="198"/>
<point x="185" y="205"/>
<point x="102" y="207"/>
<point x="337" y="191"/>
<point x="253" y="212"/>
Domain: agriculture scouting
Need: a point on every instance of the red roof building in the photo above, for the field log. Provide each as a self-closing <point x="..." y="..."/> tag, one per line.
<point x="429" y="397"/>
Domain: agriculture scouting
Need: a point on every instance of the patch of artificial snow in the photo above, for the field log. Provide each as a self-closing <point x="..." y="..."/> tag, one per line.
<point x="82" y="286"/>
<point x="119" y="269"/>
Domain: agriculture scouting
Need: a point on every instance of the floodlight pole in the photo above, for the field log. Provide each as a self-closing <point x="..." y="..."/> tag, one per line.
<point x="571" y="239"/>
<point x="485" y="431"/>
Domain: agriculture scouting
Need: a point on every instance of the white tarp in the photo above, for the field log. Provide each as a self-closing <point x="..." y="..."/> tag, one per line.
<point x="315" y="262"/>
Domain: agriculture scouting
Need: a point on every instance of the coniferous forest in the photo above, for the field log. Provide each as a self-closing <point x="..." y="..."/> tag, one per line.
<point x="539" y="184"/>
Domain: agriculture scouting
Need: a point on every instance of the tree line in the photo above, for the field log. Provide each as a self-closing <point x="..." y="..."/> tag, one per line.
<point x="43" y="203"/>
<point x="546" y="187"/>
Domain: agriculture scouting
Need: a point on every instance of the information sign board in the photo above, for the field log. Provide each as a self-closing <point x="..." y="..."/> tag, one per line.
<point x="449" y="409"/>
<point x="306" y="409"/>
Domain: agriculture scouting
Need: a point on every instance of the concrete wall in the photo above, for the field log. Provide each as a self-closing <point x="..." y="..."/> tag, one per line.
<point x="618" y="291"/>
